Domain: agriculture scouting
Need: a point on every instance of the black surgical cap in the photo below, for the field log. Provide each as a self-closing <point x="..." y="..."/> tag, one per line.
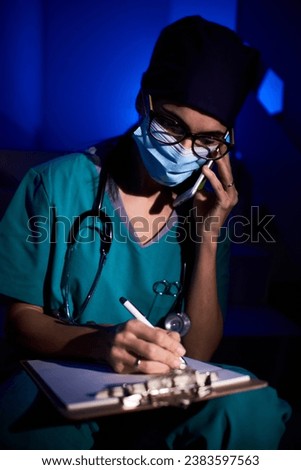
<point x="202" y="65"/>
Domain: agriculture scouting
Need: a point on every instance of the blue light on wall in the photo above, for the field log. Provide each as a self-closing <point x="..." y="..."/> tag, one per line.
<point x="271" y="93"/>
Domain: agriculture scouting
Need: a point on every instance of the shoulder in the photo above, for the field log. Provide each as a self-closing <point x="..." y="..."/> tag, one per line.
<point x="71" y="177"/>
<point x="59" y="175"/>
<point x="64" y="165"/>
<point x="74" y="163"/>
<point x="62" y="181"/>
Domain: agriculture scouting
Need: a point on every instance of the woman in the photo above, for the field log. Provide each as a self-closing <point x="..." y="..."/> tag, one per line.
<point x="164" y="257"/>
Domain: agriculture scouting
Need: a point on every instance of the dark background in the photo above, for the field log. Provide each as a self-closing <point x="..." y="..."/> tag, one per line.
<point x="69" y="74"/>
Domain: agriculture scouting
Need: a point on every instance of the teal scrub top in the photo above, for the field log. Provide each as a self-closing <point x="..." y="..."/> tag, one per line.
<point x="33" y="241"/>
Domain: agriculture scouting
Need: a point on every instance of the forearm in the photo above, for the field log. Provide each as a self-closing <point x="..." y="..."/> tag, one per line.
<point x="33" y="331"/>
<point x="119" y="346"/>
<point x="202" y="304"/>
<point x="211" y="212"/>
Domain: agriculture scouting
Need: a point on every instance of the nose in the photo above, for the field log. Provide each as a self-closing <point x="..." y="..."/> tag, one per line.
<point x="187" y="142"/>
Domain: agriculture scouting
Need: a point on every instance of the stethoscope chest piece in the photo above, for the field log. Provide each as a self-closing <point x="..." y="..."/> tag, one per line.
<point x="177" y="321"/>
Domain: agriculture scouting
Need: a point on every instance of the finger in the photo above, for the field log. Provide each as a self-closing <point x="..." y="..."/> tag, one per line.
<point x="144" y="366"/>
<point x="154" y="344"/>
<point x="152" y="351"/>
<point x="122" y="361"/>
<point x="225" y="172"/>
<point x="166" y="339"/>
<point x="214" y="181"/>
<point x="133" y="364"/>
<point x="174" y="334"/>
<point x="154" y="360"/>
<point x="223" y="182"/>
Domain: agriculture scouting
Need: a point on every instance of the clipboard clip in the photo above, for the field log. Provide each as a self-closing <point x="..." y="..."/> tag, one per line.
<point x="179" y="388"/>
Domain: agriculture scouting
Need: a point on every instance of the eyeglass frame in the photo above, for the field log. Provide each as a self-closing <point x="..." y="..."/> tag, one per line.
<point x="192" y="136"/>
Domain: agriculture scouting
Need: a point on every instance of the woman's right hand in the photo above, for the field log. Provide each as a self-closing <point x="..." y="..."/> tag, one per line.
<point x="134" y="347"/>
<point x="129" y="347"/>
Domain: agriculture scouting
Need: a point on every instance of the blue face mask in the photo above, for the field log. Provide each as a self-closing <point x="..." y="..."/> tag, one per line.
<point x="169" y="165"/>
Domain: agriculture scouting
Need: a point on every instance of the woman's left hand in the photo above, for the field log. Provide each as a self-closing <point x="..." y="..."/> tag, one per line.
<point x="212" y="208"/>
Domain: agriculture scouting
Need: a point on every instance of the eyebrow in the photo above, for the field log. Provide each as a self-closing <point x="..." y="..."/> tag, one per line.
<point x="172" y="115"/>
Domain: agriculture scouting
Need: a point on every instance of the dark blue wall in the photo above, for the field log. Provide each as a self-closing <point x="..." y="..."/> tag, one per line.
<point x="71" y="68"/>
<point x="270" y="145"/>
<point x="70" y="72"/>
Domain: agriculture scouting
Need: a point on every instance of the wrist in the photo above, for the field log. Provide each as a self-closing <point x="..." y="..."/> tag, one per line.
<point x="100" y="341"/>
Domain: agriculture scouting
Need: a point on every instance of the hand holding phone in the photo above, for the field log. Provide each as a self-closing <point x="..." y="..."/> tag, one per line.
<point x="199" y="184"/>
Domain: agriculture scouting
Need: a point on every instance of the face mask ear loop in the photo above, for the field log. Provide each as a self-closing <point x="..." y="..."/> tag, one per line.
<point x="147" y="103"/>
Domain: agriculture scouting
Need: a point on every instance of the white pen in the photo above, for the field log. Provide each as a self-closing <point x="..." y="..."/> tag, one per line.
<point x="135" y="312"/>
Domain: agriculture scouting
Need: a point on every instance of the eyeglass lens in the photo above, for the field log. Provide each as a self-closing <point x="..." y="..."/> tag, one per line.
<point x="169" y="132"/>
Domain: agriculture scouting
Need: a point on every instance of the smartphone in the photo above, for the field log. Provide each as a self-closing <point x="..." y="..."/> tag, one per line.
<point x="199" y="184"/>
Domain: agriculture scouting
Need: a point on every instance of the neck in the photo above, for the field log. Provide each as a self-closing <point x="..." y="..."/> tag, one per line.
<point x="132" y="177"/>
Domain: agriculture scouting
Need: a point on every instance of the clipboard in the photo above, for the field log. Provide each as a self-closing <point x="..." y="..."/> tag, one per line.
<point x="86" y="391"/>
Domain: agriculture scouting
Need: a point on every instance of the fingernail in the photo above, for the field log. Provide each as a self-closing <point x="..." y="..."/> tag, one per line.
<point x="177" y="363"/>
<point x="180" y="350"/>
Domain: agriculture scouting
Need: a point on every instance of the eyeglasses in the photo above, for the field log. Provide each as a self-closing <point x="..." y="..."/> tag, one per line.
<point x="170" y="131"/>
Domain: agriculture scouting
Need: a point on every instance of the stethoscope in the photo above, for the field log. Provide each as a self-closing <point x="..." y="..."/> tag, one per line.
<point x="174" y="321"/>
